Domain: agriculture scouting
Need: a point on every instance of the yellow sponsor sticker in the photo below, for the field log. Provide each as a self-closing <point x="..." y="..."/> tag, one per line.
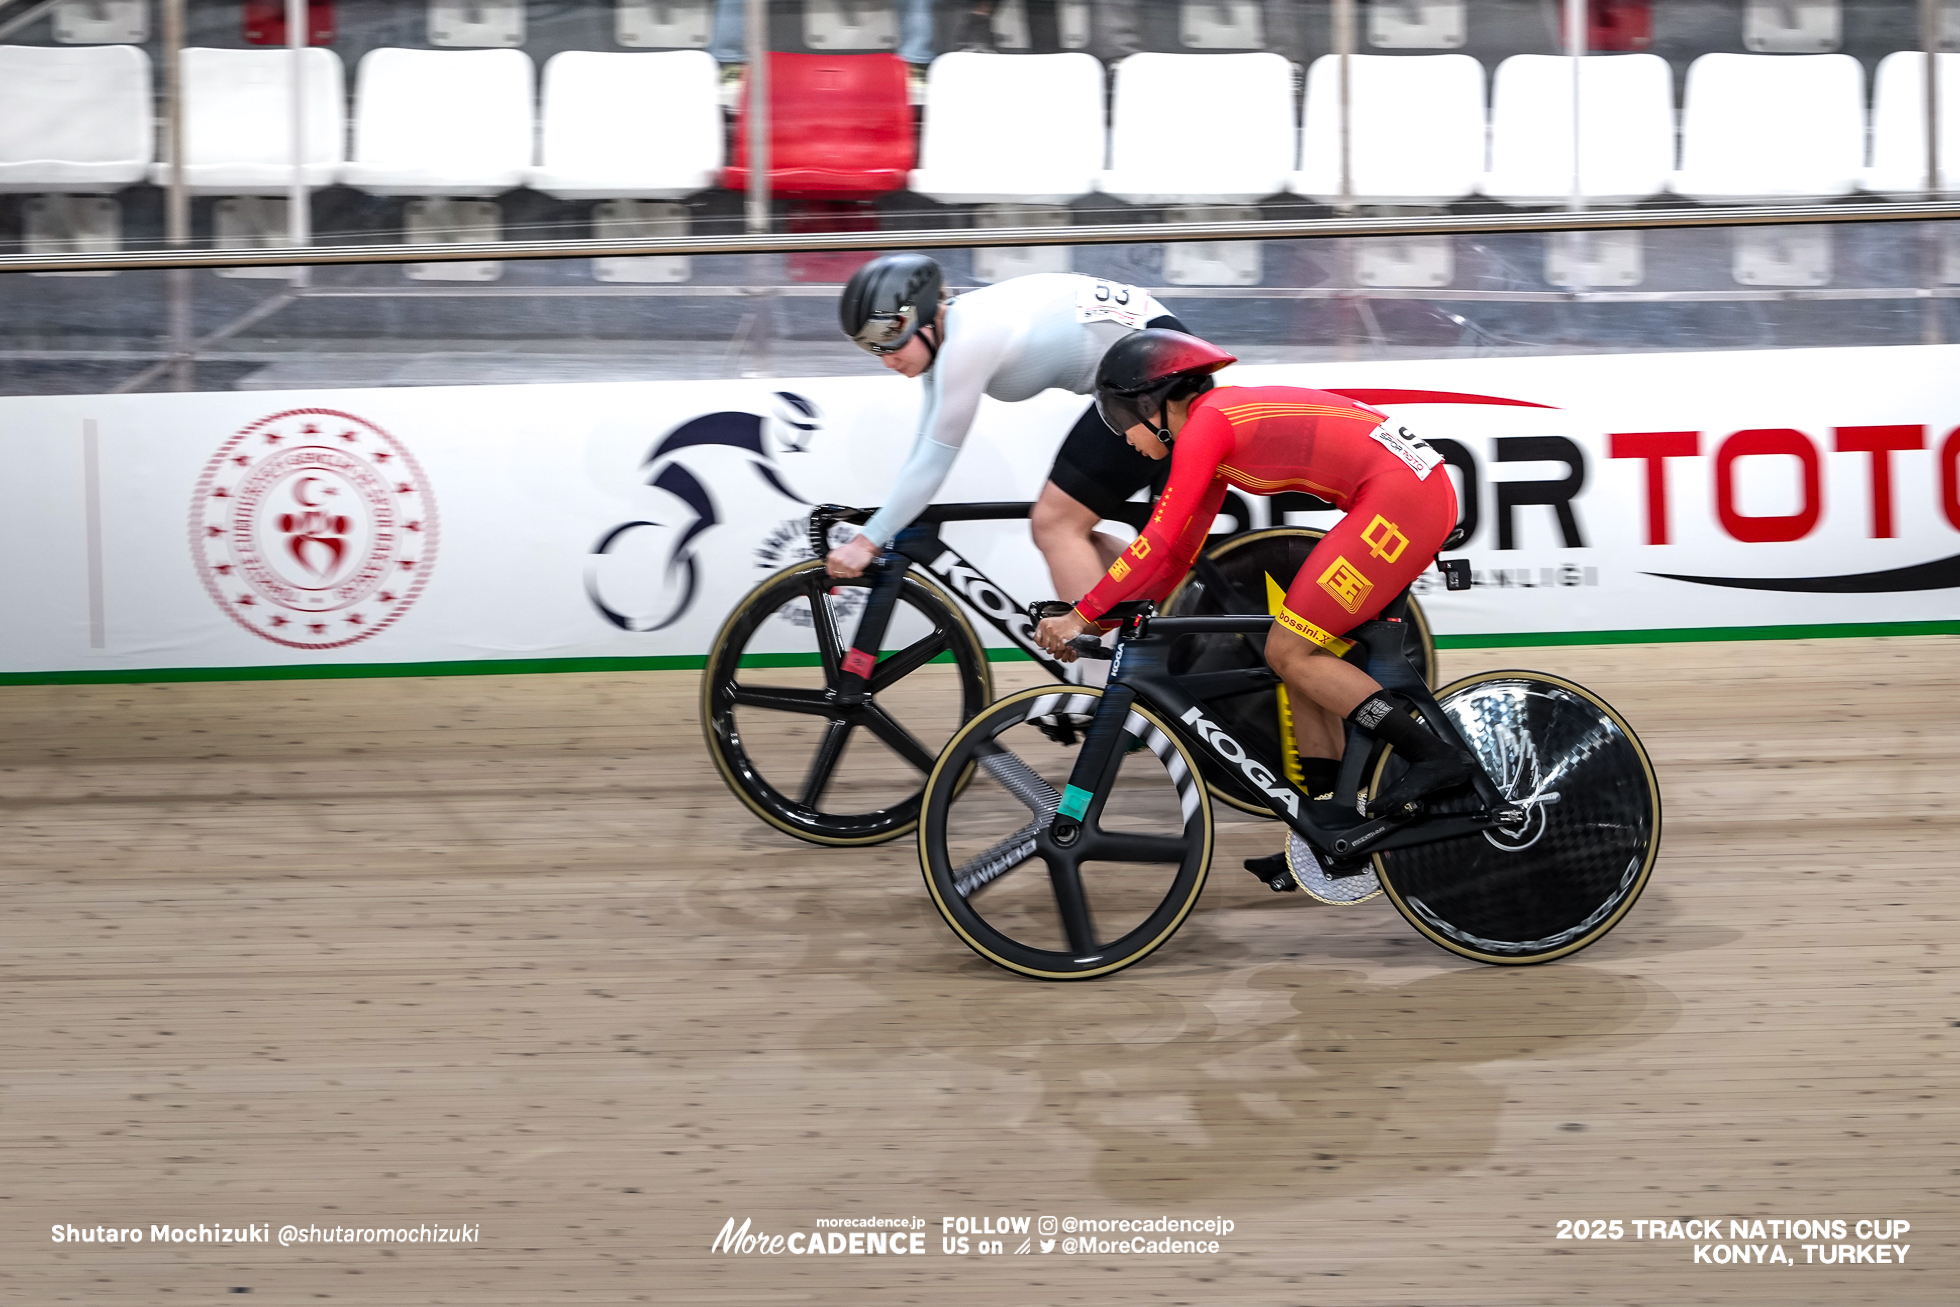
<point x="1300" y="626"/>
<point x="1384" y="539"/>
<point x="1345" y="582"/>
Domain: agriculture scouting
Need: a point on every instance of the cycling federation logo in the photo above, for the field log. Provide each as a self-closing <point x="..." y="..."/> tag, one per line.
<point x="314" y="529"/>
<point x="644" y="575"/>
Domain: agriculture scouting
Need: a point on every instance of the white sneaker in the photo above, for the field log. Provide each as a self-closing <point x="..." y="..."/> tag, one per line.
<point x="1314" y="881"/>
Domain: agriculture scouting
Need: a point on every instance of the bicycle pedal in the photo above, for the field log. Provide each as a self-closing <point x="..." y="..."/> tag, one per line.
<point x="1058" y="727"/>
<point x="1272" y="873"/>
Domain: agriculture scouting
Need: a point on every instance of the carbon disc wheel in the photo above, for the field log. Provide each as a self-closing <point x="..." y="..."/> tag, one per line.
<point x="1103" y="900"/>
<point x="1592" y="825"/>
<point x="801" y="757"/>
<point x="1247" y="574"/>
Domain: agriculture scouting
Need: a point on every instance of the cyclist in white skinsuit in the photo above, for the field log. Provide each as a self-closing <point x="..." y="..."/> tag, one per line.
<point x="1012" y="341"/>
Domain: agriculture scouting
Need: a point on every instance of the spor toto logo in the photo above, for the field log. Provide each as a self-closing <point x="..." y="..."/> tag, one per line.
<point x="313" y="528"/>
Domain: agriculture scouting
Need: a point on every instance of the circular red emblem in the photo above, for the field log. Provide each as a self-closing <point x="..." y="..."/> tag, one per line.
<point x="313" y="528"/>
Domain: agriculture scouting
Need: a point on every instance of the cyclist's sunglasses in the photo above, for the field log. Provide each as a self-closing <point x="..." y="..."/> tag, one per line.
<point x="886" y="333"/>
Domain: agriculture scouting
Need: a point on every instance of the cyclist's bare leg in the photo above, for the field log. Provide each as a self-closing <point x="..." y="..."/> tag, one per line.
<point x="1323" y="691"/>
<point x="1339" y="688"/>
<point x="1064" y="530"/>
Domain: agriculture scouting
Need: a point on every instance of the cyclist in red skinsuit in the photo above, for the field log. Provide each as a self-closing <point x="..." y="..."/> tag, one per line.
<point x="1155" y="386"/>
<point x="1266" y="439"/>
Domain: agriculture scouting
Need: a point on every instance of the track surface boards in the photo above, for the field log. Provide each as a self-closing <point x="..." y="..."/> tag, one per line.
<point x="503" y="950"/>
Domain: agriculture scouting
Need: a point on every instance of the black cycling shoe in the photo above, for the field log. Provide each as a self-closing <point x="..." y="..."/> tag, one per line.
<point x="1424" y="779"/>
<point x="1273" y="872"/>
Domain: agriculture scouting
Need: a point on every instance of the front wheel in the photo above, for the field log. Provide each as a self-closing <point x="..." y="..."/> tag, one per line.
<point x="802" y="758"/>
<point x="1107" y="897"/>
<point x="1591" y="832"/>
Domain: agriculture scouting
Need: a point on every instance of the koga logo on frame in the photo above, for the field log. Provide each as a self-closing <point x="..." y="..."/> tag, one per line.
<point x="313" y="529"/>
<point x="1235" y="753"/>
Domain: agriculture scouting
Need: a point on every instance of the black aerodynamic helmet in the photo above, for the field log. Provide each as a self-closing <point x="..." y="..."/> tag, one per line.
<point x="1148" y="368"/>
<point x="887" y="300"/>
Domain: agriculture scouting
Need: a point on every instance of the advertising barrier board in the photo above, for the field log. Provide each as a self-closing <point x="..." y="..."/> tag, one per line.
<point x="1659" y="496"/>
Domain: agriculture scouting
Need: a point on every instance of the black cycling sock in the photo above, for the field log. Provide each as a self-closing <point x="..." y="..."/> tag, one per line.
<point x="1385" y="715"/>
<point x="1434" y="763"/>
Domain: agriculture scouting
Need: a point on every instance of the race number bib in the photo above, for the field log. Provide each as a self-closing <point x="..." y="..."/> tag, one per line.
<point x="1410" y="448"/>
<point x="1112" y="301"/>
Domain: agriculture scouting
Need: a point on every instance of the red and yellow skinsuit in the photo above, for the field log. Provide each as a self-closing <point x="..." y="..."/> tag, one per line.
<point x="1399" y="501"/>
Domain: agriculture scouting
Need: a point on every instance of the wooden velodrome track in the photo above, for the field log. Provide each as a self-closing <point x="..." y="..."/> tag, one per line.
<point x="502" y="950"/>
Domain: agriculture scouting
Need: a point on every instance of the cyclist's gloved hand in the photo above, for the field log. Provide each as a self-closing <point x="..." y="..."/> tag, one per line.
<point x="851" y="557"/>
<point x="1054" y="634"/>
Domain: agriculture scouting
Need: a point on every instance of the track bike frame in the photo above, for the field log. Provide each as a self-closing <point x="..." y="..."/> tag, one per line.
<point x="920" y="545"/>
<point x="1141" y="673"/>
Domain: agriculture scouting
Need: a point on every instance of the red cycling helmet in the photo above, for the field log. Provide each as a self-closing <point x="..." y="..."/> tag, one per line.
<point x="1147" y="369"/>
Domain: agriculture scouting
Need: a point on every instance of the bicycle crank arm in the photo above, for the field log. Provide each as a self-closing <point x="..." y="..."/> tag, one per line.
<point x="1385" y="833"/>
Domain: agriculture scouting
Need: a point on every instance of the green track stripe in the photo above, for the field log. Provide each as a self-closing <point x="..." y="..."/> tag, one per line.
<point x="694" y="662"/>
<point x="1699" y="634"/>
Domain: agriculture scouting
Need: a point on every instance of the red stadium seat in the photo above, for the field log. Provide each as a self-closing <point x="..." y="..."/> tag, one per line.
<point x="265" y="22"/>
<point x="1616" y="26"/>
<point x="841" y="127"/>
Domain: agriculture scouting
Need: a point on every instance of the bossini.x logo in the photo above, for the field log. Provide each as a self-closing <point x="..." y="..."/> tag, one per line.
<point x="313" y="528"/>
<point x="661" y="576"/>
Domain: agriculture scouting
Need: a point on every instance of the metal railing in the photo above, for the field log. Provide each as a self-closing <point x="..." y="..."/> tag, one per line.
<point x="759" y="238"/>
<point x="1469" y="224"/>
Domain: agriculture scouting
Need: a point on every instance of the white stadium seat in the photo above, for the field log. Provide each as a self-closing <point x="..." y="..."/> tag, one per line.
<point x="1899" y="126"/>
<point x="1416" y="134"/>
<point x="1200" y="129"/>
<point x="1771" y="127"/>
<point x="74" y="120"/>
<point x="441" y="122"/>
<point x="238" y="115"/>
<point x="630" y="126"/>
<point x="1011" y="129"/>
<point x="1626" y="137"/>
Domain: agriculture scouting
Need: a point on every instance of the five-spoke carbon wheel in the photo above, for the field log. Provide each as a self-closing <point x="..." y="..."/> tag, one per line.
<point x="1248" y="574"/>
<point x="1591" y="829"/>
<point x="1077" y="901"/>
<point x="809" y="759"/>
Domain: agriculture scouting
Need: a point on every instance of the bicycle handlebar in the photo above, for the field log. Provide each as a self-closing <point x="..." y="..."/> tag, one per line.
<point x="1223" y="624"/>
<point x="825" y="516"/>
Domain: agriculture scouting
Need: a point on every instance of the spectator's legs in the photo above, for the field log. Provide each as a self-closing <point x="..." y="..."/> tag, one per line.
<point x="1044" y="27"/>
<point x="977" y="27"/>
<point x="915" y="32"/>
<point x="1113" y="29"/>
<point x="728" y="45"/>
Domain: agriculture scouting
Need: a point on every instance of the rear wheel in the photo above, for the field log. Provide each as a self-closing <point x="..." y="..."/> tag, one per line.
<point x="795" y="753"/>
<point x="1015" y="895"/>
<point x="1250" y="574"/>
<point x="1592" y="825"/>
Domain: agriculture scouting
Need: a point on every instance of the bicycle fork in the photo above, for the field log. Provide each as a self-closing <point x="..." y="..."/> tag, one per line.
<point x="854" y="667"/>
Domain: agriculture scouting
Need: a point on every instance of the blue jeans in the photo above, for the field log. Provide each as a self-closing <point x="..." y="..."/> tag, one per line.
<point x="914" y="32"/>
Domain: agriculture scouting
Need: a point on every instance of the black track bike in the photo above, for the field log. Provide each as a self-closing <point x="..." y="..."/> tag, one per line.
<point x="1067" y="863"/>
<point x="825" y="702"/>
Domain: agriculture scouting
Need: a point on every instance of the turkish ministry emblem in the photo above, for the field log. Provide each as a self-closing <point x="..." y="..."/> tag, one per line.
<point x="314" y="529"/>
